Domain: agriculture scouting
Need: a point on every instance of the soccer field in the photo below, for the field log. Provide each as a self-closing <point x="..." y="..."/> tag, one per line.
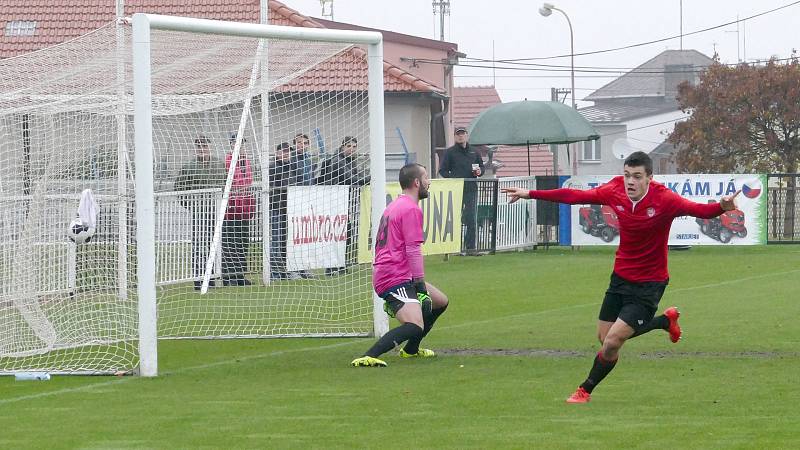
<point x="518" y="338"/>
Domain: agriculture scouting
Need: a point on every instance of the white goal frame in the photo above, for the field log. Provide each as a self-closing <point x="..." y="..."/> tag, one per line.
<point x="143" y="139"/>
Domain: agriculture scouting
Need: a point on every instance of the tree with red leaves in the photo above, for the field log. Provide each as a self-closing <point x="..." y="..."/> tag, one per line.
<point x="744" y="119"/>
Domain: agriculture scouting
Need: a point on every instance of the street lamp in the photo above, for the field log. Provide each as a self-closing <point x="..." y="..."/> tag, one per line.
<point x="546" y="10"/>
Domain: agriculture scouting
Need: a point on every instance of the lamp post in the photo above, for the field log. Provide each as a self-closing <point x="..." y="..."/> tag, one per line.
<point x="546" y="10"/>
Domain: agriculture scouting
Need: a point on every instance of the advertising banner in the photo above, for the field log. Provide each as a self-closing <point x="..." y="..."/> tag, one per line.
<point x="317" y="227"/>
<point x="747" y="225"/>
<point x="441" y="215"/>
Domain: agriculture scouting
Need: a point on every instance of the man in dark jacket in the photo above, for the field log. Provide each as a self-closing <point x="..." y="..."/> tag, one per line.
<point x="283" y="172"/>
<point x="346" y="169"/>
<point x="306" y="170"/>
<point x="463" y="161"/>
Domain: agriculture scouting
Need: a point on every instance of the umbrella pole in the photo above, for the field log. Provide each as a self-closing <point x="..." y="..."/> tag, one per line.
<point x="529" y="157"/>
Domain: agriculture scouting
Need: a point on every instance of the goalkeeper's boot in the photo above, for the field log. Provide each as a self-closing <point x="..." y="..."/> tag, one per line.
<point x="421" y="353"/>
<point x="368" y="361"/>
<point x="580" y="396"/>
<point x="674" y="329"/>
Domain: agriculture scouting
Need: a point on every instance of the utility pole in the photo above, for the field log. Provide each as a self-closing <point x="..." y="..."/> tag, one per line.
<point x="681" y="24"/>
<point x="738" y="53"/>
<point x="442" y="8"/>
<point x="555" y="96"/>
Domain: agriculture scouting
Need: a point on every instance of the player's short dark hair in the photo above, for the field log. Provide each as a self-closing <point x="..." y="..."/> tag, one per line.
<point x="349" y="140"/>
<point x="409" y="173"/>
<point x="300" y="135"/>
<point x="640" y="159"/>
<point x="283" y="146"/>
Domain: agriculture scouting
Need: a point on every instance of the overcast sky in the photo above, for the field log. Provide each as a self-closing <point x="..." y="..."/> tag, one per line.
<point x="518" y="31"/>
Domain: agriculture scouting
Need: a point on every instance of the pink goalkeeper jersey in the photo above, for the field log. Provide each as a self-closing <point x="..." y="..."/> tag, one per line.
<point x="398" y="255"/>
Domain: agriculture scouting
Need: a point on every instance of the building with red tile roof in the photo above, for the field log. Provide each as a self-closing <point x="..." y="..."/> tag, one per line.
<point x="30" y="25"/>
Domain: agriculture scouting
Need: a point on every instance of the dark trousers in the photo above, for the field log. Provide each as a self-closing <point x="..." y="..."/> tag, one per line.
<point x="235" y="245"/>
<point x="277" y="245"/>
<point x="351" y="243"/>
<point x="202" y="234"/>
<point x="469" y="215"/>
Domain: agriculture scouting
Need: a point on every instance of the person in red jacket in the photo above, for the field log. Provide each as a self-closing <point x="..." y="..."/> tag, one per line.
<point x="240" y="212"/>
<point x="646" y="210"/>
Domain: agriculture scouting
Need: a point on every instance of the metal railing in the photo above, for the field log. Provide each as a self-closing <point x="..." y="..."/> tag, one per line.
<point x="547" y="213"/>
<point x="783" y="208"/>
<point x="479" y="216"/>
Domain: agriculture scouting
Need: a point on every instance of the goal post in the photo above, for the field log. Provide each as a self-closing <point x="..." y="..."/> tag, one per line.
<point x="143" y="25"/>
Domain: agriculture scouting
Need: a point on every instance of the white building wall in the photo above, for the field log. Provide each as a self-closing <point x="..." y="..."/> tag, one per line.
<point x="617" y="141"/>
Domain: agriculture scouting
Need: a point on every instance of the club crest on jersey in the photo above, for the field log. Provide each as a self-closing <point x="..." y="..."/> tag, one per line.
<point x="651" y="212"/>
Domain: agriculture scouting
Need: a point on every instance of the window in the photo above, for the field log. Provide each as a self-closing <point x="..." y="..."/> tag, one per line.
<point x="591" y="150"/>
<point x="20" y="28"/>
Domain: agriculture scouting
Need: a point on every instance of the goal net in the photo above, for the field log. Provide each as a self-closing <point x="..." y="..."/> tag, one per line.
<point x="225" y="190"/>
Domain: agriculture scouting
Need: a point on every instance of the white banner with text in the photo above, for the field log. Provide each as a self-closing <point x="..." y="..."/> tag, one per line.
<point x="316" y="218"/>
<point x="746" y="225"/>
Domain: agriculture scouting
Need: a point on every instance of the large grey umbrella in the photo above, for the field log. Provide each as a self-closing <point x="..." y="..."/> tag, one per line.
<point x="530" y="122"/>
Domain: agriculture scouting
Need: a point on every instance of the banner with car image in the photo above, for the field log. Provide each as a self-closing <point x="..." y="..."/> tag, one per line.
<point x="746" y="225"/>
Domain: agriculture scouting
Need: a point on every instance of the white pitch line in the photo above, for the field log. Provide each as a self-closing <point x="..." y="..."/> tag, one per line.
<point x="173" y="372"/>
<point x="734" y="281"/>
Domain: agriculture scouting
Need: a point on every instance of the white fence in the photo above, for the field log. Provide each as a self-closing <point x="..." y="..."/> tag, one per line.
<point x="58" y="257"/>
<point x="174" y="233"/>
<point x="516" y="223"/>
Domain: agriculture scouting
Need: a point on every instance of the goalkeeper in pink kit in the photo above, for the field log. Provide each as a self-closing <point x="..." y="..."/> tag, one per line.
<point x="398" y="273"/>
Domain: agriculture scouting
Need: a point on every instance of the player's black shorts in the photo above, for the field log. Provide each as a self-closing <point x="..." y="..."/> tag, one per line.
<point x="396" y="296"/>
<point x="634" y="303"/>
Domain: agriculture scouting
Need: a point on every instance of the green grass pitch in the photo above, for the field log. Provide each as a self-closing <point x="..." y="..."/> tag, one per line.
<point x="518" y="338"/>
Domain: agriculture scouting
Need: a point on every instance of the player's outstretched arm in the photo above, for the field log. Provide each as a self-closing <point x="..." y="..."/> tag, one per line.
<point x="705" y="210"/>
<point x="728" y="202"/>
<point x="515" y="193"/>
<point x="563" y="195"/>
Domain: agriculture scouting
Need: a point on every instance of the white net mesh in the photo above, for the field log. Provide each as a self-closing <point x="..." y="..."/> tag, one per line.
<point x="283" y="262"/>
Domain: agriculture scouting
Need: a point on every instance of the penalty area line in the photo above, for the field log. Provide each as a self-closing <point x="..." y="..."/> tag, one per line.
<point x="734" y="281"/>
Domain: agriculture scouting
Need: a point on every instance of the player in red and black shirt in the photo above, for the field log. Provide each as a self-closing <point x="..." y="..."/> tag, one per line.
<point x="645" y="210"/>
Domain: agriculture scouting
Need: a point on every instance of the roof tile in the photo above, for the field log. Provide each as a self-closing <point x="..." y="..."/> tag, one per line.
<point x="61" y="21"/>
<point x="515" y="161"/>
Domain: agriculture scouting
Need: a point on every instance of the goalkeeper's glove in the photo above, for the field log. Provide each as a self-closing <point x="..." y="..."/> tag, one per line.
<point x="388" y="310"/>
<point x="422" y="291"/>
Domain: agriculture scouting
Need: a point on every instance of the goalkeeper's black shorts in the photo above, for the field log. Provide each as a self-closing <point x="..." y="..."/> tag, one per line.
<point x="634" y="303"/>
<point x="396" y="296"/>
